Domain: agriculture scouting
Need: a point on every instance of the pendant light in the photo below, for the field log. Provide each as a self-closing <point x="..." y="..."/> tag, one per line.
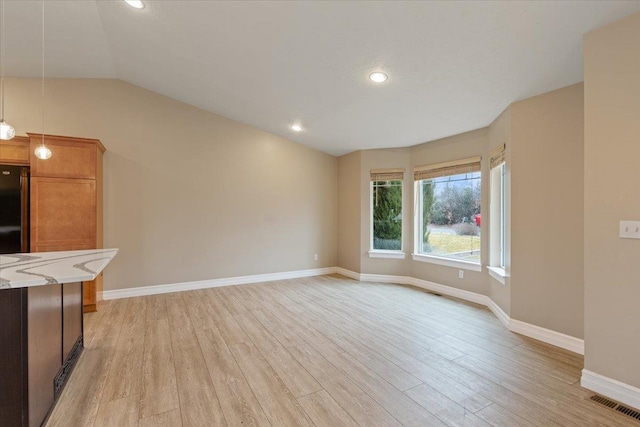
<point x="6" y="130"/>
<point x="43" y="152"/>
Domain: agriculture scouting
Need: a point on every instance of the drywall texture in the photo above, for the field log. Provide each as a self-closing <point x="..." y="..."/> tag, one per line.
<point x="500" y="133"/>
<point x="612" y="150"/>
<point x="398" y="158"/>
<point x="547" y="155"/>
<point x="457" y="147"/>
<point x="190" y="195"/>
<point x="349" y="211"/>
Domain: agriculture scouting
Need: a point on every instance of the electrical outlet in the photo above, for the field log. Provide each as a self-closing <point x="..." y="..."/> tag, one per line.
<point x="460" y="274"/>
<point x="315" y="257"/>
<point x="630" y="229"/>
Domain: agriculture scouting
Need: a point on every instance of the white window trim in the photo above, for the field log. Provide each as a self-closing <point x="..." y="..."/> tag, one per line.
<point x="378" y="253"/>
<point x="498" y="273"/>
<point x="382" y="251"/>
<point x="497" y="223"/>
<point x="449" y="262"/>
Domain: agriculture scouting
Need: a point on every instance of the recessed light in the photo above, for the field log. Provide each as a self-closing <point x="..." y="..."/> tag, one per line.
<point x="378" y="77"/>
<point x="296" y="128"/>
<point x="135" y="3"/>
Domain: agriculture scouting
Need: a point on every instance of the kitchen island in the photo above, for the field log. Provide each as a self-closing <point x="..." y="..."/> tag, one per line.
<point x="41" y="328"/>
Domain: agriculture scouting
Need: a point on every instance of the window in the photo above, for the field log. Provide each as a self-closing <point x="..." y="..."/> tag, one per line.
<point x="448" y="213"/>
<point x="497" y="207"/>
<point x="500" y="223"/>
<point x="386" y="210"/>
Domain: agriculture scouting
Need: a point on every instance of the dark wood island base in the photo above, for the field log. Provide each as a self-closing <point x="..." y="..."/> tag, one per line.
<point x="41" y="338"/>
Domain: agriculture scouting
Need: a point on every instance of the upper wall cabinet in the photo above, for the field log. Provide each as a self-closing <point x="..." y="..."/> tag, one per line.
<point x="70" y="157"/>
<point x="15" y="151"/>
<point x="63" y="214"/>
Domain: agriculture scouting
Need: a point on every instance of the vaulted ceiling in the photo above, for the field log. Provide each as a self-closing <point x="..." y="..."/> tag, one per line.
<point x="452" y="66"/>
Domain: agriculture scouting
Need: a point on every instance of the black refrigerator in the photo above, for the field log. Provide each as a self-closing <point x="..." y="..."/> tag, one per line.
<point x="14" y="209"/>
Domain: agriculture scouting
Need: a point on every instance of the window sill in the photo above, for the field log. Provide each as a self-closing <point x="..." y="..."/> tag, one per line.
<point x="498" y="273"/>
<point x="465" y="265"/>
<point x="387" y="254"/>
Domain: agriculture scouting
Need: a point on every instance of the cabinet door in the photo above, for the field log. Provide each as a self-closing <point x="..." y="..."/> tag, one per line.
<point x="44" y="336"/>
<point x="12" y="386"/>
<point x="71" y="317"/>
<point x="63" y="214"/>
<point x="69" y="159"/>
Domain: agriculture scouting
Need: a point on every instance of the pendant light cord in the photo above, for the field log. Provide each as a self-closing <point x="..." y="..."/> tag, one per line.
<point x="2" y="65"/>
<point x="42" y="72"/>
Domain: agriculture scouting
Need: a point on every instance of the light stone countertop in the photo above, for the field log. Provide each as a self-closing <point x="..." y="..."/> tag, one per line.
<point x="44" y="268"/>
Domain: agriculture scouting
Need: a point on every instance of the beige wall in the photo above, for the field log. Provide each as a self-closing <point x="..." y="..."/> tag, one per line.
<point x="547" y="155"/>
<point x="500" y="133"/>
<point x="349" y="211"/>
<point x="383" y="159"/>
<point x="612" y="188"/>
<point x="190" y="195"/>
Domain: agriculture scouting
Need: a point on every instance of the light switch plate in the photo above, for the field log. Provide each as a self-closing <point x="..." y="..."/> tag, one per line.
<point x="630" y="229"/>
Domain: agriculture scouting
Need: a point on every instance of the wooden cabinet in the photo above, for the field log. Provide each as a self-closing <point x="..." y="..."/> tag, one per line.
<point x="70" y="157"/>
<point x="44" y="348"/>
<point x="71" y="318"/>
<point x="41" y="338"/>
<point x="15" y="151"/>
<point x="66" y="200"/>
<point x="63" y="214"/>
<point x="65" y="197"/>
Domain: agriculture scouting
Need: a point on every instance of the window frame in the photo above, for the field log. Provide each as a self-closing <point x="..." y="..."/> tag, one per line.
<point x="498" y="200"/>
<point x="386" y="253"/>
<point x="417" y="255"/>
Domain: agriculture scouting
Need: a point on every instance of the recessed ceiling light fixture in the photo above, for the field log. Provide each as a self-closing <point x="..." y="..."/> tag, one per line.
<point x="135" y="3"/>
<point x="378" y="77"/>
<point x="296" y="127"/>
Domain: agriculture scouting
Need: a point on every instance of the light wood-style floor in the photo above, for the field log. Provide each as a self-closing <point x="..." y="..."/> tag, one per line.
<point x="323" y="351"/>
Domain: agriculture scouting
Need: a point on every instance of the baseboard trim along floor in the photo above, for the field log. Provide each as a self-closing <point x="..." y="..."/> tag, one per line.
<point x="614" y="389"/>
<point x="214" y="283"/>
<point x="567" y="342"/>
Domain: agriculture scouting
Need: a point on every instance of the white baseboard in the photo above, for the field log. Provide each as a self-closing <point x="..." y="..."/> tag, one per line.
<point x="385" y="278"/>
<point x="448" y="290"/>
<point x="214" y="283"/>
<point x="623" y="393"/>
<point x="567" y="342"/>
<point x="499" y="313"/>
<point x="348" y="273"/>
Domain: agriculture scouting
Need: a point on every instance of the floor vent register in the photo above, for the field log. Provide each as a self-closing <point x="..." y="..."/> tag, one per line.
<point x="613" y="405"/>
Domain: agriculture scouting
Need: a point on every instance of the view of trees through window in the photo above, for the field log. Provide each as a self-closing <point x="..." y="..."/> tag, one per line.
<point x="451" y="218"/>
<point x="387" y="215"/>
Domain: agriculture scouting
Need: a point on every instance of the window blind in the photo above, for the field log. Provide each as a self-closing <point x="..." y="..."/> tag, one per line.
<point x="455" y="167"/>
<point x="387" y="174"/>
<point x="497" y="156"/>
